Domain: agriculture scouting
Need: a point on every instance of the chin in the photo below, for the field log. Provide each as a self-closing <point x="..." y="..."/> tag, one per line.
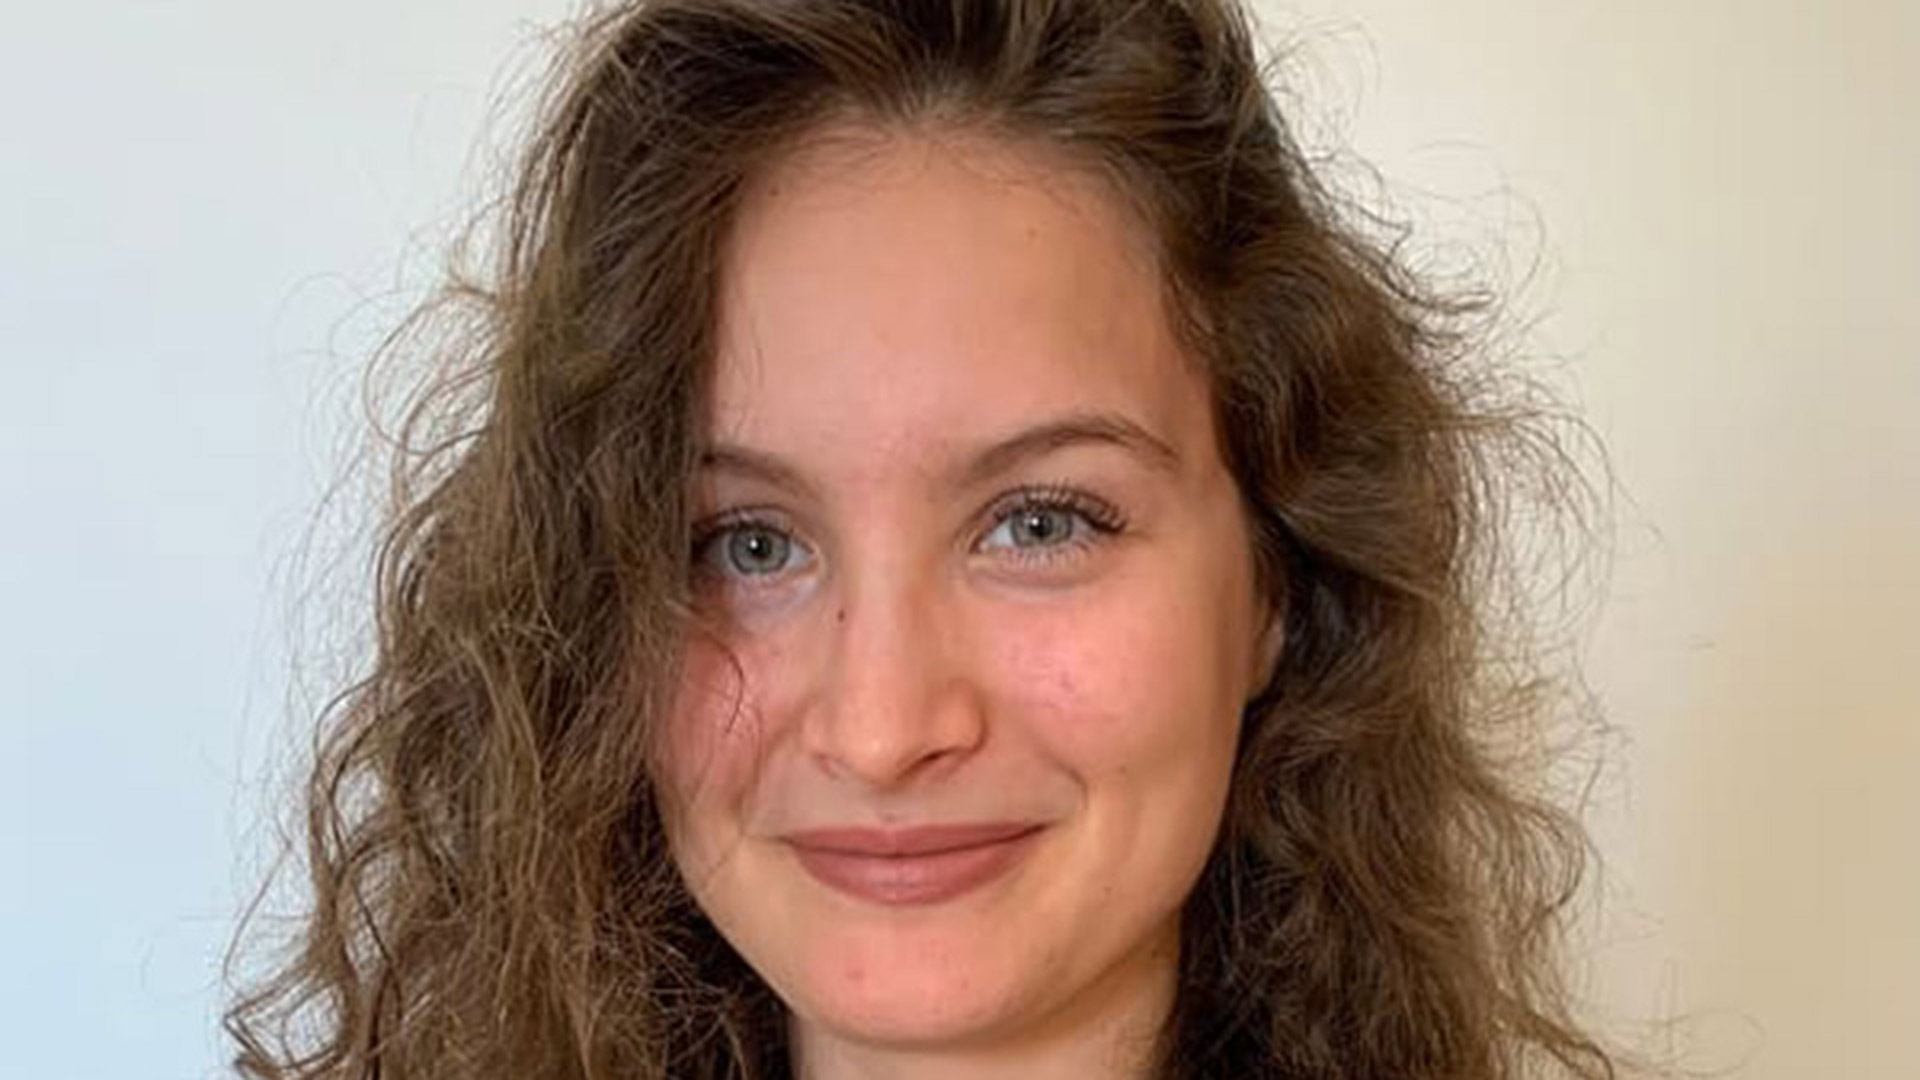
<point x="902" y="997"/>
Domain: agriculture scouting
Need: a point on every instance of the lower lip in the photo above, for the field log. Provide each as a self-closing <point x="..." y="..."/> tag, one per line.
<point x="909" y="880"/>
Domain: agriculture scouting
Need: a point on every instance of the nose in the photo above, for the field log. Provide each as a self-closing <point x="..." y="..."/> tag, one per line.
<point x="898" y="700"/>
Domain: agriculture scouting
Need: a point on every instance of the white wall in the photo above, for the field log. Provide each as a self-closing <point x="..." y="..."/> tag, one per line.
<point x="195" y="198"/>
<point x="203" y="203"/>
<point x="1731" y="199"/>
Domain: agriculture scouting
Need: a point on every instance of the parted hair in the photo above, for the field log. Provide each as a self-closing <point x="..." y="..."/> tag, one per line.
<point x="491" y="894"/>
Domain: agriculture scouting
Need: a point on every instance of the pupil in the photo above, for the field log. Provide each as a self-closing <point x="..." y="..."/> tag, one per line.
<point x="1042" y="526"/>
<point x="757" y="552"/>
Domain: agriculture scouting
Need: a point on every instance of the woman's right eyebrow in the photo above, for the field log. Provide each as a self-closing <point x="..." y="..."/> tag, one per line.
<point x="755" y="465"/>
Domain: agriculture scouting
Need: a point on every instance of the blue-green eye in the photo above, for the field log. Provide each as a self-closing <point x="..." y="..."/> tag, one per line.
<point x="1045" y="520"/>
<point x="749" y="550"/>
<point x="1035" y="526"/>
<point x="758" y="551"/>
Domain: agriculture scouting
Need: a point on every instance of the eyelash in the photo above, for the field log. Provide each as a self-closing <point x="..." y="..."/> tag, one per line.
<point x="1102" y="519"/>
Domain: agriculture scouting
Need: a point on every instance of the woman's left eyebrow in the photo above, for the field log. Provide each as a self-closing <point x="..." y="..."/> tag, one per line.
<point x="1102" y="428"/>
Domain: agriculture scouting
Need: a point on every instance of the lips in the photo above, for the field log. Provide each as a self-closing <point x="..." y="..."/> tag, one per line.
<point x="913" y="866"/>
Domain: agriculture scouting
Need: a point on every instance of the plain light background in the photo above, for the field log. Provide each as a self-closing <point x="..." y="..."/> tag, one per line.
<point x="209" y="210"/>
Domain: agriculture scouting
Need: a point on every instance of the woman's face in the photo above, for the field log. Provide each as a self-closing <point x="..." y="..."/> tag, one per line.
<point x="967" y="533"/>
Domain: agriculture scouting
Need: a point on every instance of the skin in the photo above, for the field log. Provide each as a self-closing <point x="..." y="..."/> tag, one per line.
<point x="914" y="330"/>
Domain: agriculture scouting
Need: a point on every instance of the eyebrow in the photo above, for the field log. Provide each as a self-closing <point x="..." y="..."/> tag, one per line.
<point x="1097" y="428"/>
<point x="1074" y="429"/>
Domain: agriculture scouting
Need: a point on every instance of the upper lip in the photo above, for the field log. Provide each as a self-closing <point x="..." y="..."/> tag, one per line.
<point x="907" y="841"/>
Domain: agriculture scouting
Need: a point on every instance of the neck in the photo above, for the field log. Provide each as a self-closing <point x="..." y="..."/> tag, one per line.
<point x="1109" y="1030"/>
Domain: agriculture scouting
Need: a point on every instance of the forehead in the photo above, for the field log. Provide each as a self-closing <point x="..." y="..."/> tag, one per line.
<point x="901" y="294"/>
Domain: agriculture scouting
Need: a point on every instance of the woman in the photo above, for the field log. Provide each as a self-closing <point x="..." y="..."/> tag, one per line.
<point x="954" y="563"/>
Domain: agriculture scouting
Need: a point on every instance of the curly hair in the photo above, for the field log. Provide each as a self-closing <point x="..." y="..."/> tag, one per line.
<point x="492" y="895"/>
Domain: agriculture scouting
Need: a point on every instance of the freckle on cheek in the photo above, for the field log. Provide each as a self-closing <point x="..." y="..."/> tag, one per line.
<point x="1063" y="686"/>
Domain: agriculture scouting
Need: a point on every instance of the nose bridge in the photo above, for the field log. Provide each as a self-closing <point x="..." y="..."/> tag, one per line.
<point x="895" y="696"/>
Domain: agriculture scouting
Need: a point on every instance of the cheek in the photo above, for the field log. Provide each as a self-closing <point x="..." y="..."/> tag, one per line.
<point x="712" y="737"/>
<point x="1122" y="681"/>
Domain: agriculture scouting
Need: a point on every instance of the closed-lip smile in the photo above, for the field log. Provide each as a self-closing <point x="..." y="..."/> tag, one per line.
<point x="916" y="865"/>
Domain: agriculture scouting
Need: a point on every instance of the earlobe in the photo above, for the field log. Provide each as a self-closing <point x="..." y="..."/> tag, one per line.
<point x="1267" y="649"/>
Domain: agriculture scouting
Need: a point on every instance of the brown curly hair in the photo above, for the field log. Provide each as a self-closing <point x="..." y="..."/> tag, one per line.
<point x="492" y="895"/>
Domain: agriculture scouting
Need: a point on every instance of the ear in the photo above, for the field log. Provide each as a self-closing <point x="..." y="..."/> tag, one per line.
<point x="1267" y="648"/>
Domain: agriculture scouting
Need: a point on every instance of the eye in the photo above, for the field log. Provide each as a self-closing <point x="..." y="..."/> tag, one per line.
<point x="1037" y="526"/>
<point x="749" y="549"/>
<point x="1039" y="522"/>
